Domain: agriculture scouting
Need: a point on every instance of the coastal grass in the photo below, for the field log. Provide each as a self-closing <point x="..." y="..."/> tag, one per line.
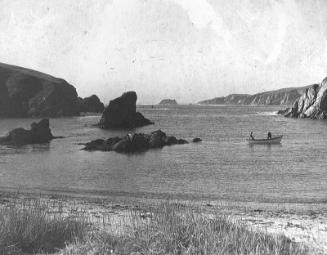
<point x="30" y="227"/>
<point x="37" y="227"/>
<point x="175" y="229"/>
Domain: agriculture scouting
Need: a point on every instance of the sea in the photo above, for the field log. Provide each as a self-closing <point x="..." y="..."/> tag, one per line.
<point x="222" y="167"/>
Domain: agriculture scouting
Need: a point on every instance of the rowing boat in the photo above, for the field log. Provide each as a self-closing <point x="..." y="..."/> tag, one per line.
<point x="274" y="140"/>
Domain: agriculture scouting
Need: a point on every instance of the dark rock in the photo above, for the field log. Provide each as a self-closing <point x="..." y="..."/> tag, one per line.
<point x="39" y="133"/>
<point x="157" y="139"/>
<point x="134" y="142"/>
<point x="312" y="104"/>
<point x="124" y="145"/>
<point x="97" y="144"/>
<point x="112" y="141"/>
<point x="182" y="141"/>
<point x="171" y="140"/>
<point x="28" y="93"/>
<point x="121" y="113"/>
<point x="140" y="142"/>
<point x="196" y="140"/>
<point x="90" y="104"/>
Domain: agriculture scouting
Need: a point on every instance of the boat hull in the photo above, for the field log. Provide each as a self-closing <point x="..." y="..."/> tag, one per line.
<point x="274" y="140"/>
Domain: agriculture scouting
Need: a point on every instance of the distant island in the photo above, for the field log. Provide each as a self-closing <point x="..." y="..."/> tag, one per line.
<point x="285" y="96"/>
<point x="168" y="102"/>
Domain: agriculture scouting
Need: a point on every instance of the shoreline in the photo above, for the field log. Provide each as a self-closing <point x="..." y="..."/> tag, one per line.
<point x="303" y="223"/>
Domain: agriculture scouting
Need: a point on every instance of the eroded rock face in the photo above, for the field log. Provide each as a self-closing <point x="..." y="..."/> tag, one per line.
<point x="91" y="104"/>
<point x="39" y="133"/>
<point x="312" y="104"/>
<point x="28" y="93"/>
<point x="121" y="113"/>
<point x="134" y="142"/>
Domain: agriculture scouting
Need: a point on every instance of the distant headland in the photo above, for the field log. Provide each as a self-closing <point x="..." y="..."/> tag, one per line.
<point x="285" y="96"/>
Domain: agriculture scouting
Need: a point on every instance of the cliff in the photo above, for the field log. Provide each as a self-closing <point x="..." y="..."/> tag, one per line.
<point x="312" y="103"/>
<point x="28" y="93"/>
<point x="285" y="96"/>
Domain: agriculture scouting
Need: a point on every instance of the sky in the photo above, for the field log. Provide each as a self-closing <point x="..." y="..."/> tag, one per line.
<point x="189" y="50"/>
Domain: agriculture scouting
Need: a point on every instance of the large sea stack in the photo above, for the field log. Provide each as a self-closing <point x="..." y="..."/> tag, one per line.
<point x="121" y="113"/>
<point x="28" y="93"/>
<point x="312" y="104"/>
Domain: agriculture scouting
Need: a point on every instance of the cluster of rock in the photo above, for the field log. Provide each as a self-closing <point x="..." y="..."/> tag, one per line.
<point x="312" y="104"/>
<point x="121" y="113"/>
<point x="135" y="142"/>
<point x="28" y="93"/>
<point x="39" y="133"/>
<point x="286" y="96"/>
<point x="90" y="104"/>
<point x="168" y="102"/>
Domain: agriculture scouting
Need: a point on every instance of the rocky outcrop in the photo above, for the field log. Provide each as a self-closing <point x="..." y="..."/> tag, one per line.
<point x="312" y="104"/>
<point x="121" y="113"/>
<point x="134" y="142"/>
<point x="39" y="133"/>
<point x="196" y="140"/>
<point x="90" y="104"/>
<point x="168" y="102"/>
<point x="28" y="93"/>
<point x="286" y="96"/>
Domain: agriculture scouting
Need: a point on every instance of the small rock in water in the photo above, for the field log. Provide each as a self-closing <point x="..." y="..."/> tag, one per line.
<point x="39" y="133"/>
<point x="196" y="140"/>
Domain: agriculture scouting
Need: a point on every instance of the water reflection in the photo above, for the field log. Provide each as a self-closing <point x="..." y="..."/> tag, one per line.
<point x="20" y="149"/>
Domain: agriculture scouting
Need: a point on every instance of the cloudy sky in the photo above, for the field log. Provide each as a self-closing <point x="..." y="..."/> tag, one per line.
<point x="184" y="49"/>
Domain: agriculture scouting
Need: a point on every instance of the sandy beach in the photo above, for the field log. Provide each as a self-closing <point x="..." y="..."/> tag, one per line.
<point x="302" y="223"/>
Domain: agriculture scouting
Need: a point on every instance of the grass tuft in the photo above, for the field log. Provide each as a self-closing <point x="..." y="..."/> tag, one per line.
<point x="173" y="229"/>
<point x="30" y="228"/>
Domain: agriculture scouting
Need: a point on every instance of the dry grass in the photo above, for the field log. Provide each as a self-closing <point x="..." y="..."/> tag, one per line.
<point x="30" y="228"/>
<point x="174" y="229"/>
<point x="39" y="227"/>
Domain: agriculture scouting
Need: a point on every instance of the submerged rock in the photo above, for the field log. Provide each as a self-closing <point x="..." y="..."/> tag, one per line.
<point x="134" y="142"/>
<point x="121" y="113"/>
<point x="312" y="104"/>
<point x="39" y="133"/>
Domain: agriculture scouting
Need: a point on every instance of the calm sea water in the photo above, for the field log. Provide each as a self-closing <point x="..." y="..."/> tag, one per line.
<point x="223" y="166"/>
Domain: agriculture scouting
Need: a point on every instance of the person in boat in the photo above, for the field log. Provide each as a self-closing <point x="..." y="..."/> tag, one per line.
<point x="251" y="136"/>
<point x="269" y="135"/>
